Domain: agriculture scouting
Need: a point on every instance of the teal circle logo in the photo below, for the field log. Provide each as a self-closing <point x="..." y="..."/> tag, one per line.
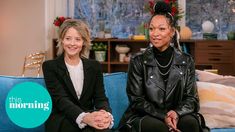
<point x="28" y="105"/>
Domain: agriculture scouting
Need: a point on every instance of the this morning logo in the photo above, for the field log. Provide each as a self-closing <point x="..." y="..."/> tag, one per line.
<point x="28" y="104"/>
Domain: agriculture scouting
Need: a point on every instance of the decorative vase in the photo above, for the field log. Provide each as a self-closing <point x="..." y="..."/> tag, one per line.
<point x="122" y="50"/>
<point x="185" y="33"/>
<point x="207" y="27"/>
<point x="100" y="55"/>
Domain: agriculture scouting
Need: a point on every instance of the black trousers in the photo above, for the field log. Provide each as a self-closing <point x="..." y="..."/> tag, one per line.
<point x="187" y="123"/>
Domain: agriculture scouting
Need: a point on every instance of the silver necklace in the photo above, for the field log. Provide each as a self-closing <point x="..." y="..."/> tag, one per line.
<point x="164" y="73"/>
<point x="166" y="64"/>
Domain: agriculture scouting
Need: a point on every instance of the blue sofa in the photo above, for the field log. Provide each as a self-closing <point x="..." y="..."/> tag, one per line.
<point x="115" y="85"/>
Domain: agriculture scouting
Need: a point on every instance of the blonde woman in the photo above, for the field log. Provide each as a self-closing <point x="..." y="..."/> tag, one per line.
<point x="75" y="84"/>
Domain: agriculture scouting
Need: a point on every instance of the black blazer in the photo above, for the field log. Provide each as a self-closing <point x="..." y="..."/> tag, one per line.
<point x="66" y="105"/>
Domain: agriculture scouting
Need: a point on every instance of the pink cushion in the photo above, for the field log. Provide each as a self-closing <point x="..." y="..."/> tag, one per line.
<point x="207" y="76"/>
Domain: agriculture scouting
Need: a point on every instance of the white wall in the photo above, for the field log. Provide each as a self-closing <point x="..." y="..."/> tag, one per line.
<point x="182" y="5"/>
<point x="22" y="31"/>
<point x="26" y="26"/>
<point x="53" y="8"/>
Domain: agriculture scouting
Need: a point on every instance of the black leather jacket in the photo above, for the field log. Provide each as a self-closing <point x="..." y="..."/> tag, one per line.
<point x="148" y="94"/>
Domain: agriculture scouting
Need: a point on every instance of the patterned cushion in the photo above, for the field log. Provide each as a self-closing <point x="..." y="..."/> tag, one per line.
<point x="217" y="104"/>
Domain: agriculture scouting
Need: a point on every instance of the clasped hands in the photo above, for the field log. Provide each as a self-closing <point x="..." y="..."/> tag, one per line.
<point x="98" y="119"/>
<point x="171" y="121"/>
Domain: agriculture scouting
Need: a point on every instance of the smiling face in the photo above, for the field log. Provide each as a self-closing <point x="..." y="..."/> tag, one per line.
<point x="72" y="43"/>
<point x="160" y="32"/>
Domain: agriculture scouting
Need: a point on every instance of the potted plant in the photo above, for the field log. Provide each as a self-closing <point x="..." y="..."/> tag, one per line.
<point x="100" y="51"/>
<point x="231" y="35"/>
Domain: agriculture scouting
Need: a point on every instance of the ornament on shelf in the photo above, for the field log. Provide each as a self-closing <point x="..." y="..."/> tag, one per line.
<point x="185" y="33"/>
<point x="122" y="50"/>
<point x="207" y="27"/>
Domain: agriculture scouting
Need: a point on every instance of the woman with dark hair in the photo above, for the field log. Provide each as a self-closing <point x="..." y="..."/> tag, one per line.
<point x="161" y="82"/>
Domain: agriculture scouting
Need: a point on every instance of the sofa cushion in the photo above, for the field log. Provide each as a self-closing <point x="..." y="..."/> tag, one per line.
<point x="205" y="76"/>
<point x="217" y="104"/>
<point x="6" y="83"/>
<point x="115" y="87"/>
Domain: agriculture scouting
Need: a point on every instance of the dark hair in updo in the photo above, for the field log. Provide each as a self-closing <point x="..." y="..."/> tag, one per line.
<point x="162" y="8"/>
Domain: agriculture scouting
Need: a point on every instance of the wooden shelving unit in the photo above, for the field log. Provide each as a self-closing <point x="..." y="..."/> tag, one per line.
<point x="114" y="65"/>
<point x="216" y="54"/>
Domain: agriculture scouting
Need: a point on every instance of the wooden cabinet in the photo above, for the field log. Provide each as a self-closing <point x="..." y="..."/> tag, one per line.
<point x="216" y="54"/>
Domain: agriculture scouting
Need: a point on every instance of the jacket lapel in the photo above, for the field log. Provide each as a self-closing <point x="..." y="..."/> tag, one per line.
<point x="87" y="76"/>
<point x="63" y="71"/>
<point x="152" y="67"/>
<point x="176" y="72"/>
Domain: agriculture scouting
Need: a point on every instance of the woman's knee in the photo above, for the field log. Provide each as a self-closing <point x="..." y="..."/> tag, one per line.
<point x="188" y="122"/>
<point x="151" y="124"/>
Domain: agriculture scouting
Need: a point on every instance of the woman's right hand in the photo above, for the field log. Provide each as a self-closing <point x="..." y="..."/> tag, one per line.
<point x="171" y="121"/>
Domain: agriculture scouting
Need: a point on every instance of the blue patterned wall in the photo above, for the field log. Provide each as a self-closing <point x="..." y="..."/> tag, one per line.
<point x="122" y="17"/>
<point x="217" y="11"/>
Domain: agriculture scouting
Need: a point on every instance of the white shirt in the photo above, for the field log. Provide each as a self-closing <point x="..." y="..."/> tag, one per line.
<point x="76" y="74"/>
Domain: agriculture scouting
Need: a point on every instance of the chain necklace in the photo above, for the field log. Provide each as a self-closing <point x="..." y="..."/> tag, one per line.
<point x="166" y="64"/>
<point x="161" y="66"/>
<point x="165" y="73"/>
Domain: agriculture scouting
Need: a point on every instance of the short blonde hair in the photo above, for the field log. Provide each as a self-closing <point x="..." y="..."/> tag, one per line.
<point x="82" y="29"/>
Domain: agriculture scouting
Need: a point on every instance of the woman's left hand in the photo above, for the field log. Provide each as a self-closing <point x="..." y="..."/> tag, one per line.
<point x="104" y="119"/>
<point x="171" y="120"/>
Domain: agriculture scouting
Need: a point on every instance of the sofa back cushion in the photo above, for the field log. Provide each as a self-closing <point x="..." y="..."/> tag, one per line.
<point x="115" y="87"/>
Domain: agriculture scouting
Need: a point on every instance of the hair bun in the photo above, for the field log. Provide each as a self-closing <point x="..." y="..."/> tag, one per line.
<point x="162" y="7"/>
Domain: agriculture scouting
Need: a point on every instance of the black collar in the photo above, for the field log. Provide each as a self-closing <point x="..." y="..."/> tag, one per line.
<point x="149" y="58"/>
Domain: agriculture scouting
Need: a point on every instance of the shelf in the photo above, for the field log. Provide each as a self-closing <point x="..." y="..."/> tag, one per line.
<point x="100" y="40"/>
<point x="104" y="63"/>
<point x="119" y="63"/>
